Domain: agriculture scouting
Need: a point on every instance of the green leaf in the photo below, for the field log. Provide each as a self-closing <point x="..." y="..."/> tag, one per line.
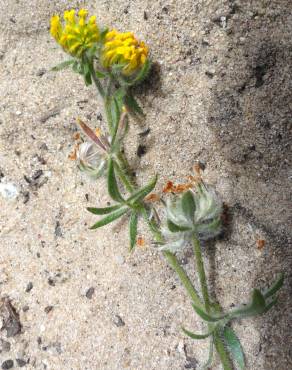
<point x="270" y="305"/>
<point x="133" y="105"/>
<point x="196" y="336"/>
<point x="256" y="307"/>
<point x="206" y="316"/>
<point x="234" y="346"/>
<point x="143" y="192"/>
<point x="110" y="218"/>
<point x="113" y="188"/>
<point x="133" y="229"/>
<point x="63" y="65"/>
<point x="275" y="287"/>
<point x="188" y="205"/>
<point x="103" y="211"/>
<point x="86" y="69"/>
<point x="176" y="228"/>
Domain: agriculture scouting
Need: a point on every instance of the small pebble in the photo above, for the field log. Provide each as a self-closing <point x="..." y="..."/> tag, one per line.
<point x="4" y="346"/>
<point x="48" y="309"/>
<point x="8" y="191"/>
<point x="20" y="362"/>
<point x="118" y="321"/>
<point x="29" y="287"/>
<point x="8" y="364"/>
<point x="120" y="259"/>
<point x="89" y="293"/>
<point x="41" y="72"/>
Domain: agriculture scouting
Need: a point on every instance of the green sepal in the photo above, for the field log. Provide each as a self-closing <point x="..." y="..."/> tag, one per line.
<point x="113" y="188"/>
<point x="143" y="192"/>
<point x="176" y="228"/>
<point x="141" y="75"/>
<point x="90" y="53"/>
<point x="275" y="287"/>
<point x="196" y="336"/>
<point x="133" y="225"/>
<point x="206" y="316"/>
<point x="103" y="211"/>
<point x="188" y="205"/>
<point x="63" y="65"/>
<point x="102" y="35"/>
<point x="110" y="218"/>
<point x="234" y="347"/>
<point x="133" y="105"/>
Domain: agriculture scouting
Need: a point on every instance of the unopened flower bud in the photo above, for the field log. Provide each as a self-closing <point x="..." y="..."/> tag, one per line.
<point x="197" y="213"/>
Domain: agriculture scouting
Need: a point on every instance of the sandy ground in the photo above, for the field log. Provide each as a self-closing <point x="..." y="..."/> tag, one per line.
<point x="219" y="93"/>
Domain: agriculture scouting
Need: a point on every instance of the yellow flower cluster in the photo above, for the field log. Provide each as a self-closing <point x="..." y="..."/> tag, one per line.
<point x="124" y="49"/>
<point x="77" y="35"/>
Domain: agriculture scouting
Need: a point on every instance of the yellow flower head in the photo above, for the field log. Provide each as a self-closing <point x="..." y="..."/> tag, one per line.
<point x="77" y="34"/>
<point x="124" y="49"/>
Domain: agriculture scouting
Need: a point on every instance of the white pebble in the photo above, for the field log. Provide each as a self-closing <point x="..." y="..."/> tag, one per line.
<point x="8" y="191"/>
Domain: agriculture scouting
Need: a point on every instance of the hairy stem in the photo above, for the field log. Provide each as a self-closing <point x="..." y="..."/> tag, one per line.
<point x="201" y="273"/>
<point x="124" y="178"/>
<point x="185" y="280"/>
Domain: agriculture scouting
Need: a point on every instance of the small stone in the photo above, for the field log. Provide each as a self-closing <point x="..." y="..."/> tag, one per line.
<point x="29" y="287"/>
<point x="37" y="174"/>
<point x="120" y="259"/>
<point x="18" y="113"/>
<point x="4" y="346"/>
<point x="48" y="309"/>
<point x="58" y="229"/>
<point x="51" y="282"/>
<point x="41" y="72"/>
<point x="25" y="308"/>
<point x="8" y="364"/>
<point x="89" y="293"/>
<point x="44" y="146"/>
<point x="118" y="321"/>
<point x="21" y="362"/>
<point x="26" y="196"/>
<point x="141" y="150"/>
<point x="8" y="191"/>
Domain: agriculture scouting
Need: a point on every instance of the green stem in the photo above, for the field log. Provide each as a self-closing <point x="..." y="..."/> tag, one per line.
<point x="124" y="178"/>
<point x="201" y="272"/>
<point x="185" y="280"/>
<point x="224" y="357"/>
<point x="94" y="77"/>
<point x="98" y="84"/>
